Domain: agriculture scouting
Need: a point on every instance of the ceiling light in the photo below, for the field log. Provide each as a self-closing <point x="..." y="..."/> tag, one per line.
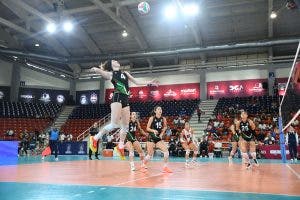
<point x="124" y="33"/>
<point x="63" y="75"/>
<point x="273" y="15"/>
<point x="37" y="45"/>
<point x="68" y="26"/>
<point x="170" y="12"/>
<point x="51" y="28"/>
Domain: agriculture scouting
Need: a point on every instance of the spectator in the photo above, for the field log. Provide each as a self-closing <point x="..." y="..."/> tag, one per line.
<point x="269" y="140"/>
<point x="216" y="124"/>
<point x="295" y="122"/>
<point x="172" y="147"/>
<point x="168" y="131"/>
<point x="10" y="133"/>
<point x="203" y="147"/>
<point x="262" y="126"/>
<point x="292" y="141"/>
<point x="199" y="113"/>
<point x="69" y="137"/>
<point x="53" y="142"/>
<point x="181" y="121"/>
<point x="261" y="136"/>
<point x="93" y="131"/>
<point x="62" y="137"/>
<point x="182" y="112"/>
<point x="109" y="144"/>
<point x="176" y="121"/>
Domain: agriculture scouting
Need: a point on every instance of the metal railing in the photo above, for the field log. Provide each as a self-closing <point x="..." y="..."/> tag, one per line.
<point x="100" y="123"/>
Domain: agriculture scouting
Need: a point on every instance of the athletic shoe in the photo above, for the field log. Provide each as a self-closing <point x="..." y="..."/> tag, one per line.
<point x="256" y="162"/>
<point x="292" y="160"/>
<point x="120" y="152"/>
<point x="56" y="159"/>
<point x="93" y="144"/>
<point x="143" y="165"/>
<point x="43" y="157"/>
<point x="230" y="160"/>
<point x="132" y="167"/>
<point x="248" y="166"/>
<point x="90" y="158"/>
<point x="187" y="164"/>
<point x="167" y="170"/>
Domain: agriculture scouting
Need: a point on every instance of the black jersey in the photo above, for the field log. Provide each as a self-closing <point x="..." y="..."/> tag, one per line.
<point x="246" y="130"/>
<point x="133" y="127"/>
<point x="157" y="124"/>
<point x="132" y="130"/>
<point x="120" y="82"/>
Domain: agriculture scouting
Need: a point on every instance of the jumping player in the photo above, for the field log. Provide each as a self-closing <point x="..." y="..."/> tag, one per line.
<point x="132" y="143"/>
<point x="234" y="139"/>
<point x="246" y="127"/>
<point x="187" y="141"/>
<point x="156" y="128"/>
<point x="120" y="111"/>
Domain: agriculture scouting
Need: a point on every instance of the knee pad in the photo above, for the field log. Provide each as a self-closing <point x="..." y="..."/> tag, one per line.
<point x="253" y="154"/>
<point x="187" y="152"/>
<point x="131" y="154"/>
<point x="166" y="154"/>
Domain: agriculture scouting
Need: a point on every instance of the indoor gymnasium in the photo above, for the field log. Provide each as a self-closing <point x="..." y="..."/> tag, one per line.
<point x="155" y="99"/>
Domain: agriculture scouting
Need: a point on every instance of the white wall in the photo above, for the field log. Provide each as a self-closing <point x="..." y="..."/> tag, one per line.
<point x="236" y="75"/>
<point x="166" y="80"/>
<point x="282" y="72"/>
<point x="40" y="80"/>
<point x="87" y="85"/>
<point x="5" y="73"/>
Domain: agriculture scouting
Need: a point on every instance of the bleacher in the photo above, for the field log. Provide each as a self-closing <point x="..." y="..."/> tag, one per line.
<point x="19" y="116"/>
<point x="84" y="116"/>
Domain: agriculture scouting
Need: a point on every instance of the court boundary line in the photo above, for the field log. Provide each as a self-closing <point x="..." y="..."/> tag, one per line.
<point x="293" y="171"/>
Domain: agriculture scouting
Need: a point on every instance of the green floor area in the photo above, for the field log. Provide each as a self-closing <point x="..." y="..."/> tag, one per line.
<point x="28" y="191"/>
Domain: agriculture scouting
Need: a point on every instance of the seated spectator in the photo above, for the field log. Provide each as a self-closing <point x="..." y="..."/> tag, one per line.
<point x="275" y="119"/>
<point x="221" y="125"/>
<point x="260" y="137"/>
<point x="181" y="121"/>
<point x="10" y="133"/>
<point x="269" y="140"/>
<point x="176" y="121"/>
<point x="216" y="124"/>
<point x="262" y="126"/>
<point x="203" y="147"/>
<point x="172" y="147"/>
<point x="62" y="137"/>
<point x="69" y="137"/>
<point x="109" y="144"/>
<point x="295" y="122"/>
<point x="168" y="131"/>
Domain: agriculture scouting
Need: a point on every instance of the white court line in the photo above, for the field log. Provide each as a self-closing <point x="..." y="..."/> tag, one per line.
<point x="138" y="179"/>
<point x="293" y="171"/>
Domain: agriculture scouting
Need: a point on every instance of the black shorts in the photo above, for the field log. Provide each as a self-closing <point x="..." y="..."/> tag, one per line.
<point x="247" y="138"/>
<point x="131" y="137"/>
<point x="153" y="138"/>
<point x="121" y="98"/>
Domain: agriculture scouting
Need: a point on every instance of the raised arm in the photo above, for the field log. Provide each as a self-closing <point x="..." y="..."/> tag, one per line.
<point x="138" y="82"/>
<point x="99" y="70"/>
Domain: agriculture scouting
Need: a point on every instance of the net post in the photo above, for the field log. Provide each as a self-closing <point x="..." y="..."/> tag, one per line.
<point x="282" y="140"/>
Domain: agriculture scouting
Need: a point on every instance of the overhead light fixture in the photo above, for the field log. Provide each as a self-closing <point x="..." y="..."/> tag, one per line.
<point x="170" y="12"/>
<point x="273" y="15"/>
<point x="51" y="28"/>
<point x="124" y="33"/>
<point x="68" y="26"/>
<point x="62" y="75"/>
<point x="37" y="45"/>
<point x="15" y="57"/>
<point x="191" y="9"/>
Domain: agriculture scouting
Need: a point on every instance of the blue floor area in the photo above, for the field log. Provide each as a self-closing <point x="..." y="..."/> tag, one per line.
<point x="24" y="191"/>
<point x="37" y="159"/>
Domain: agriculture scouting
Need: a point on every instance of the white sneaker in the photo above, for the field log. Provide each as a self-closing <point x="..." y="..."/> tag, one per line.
<point x="187" y="164"/>
<point x="132" y="167"/>
<point x="292" y="160"/>
<point x="56" y="159"/>
<point x="43" y="157"/>
<point x="230" y="160"/>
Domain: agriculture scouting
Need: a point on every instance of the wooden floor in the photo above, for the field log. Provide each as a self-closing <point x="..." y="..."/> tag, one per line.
<point x="209" y="176"/>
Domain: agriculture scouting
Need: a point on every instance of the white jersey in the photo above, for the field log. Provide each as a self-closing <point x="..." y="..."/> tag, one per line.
<point x="187" y="136"/>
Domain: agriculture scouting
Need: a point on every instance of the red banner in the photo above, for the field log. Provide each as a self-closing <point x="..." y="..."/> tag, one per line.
<point x="236" y="88"/>
<point x="282" y="84"/>
<point x="273" y="151"/>
<point x="162" y="92"/>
